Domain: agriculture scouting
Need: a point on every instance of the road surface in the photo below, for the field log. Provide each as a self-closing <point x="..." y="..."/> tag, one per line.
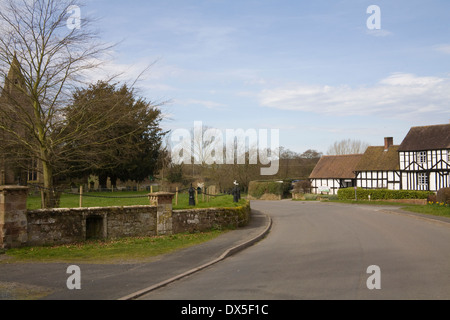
<point x="319" y="250"/>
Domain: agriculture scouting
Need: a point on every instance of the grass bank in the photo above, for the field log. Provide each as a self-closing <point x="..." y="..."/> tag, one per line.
<point x="430" y="209"/>
<point x="124" y="250"/>
<point x="434" y="210"/>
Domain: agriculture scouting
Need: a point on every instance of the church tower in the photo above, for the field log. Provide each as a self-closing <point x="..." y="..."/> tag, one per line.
<point x="15" y="112"/>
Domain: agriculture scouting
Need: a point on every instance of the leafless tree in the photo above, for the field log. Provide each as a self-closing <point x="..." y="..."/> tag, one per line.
<point x="52" y="46"/>
<point x="347" y="146"/>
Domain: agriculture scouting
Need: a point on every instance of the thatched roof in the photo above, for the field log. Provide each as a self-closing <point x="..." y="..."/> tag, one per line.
<point x="427" y="138"/>
<point x="377" y="159"/>
<point x="339" y="167"/>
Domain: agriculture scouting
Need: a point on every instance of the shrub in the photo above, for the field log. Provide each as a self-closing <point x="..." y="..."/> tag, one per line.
<point x="303" y="186"/>
<point x="257" y="189"/>
<point x="431" y="198"/>
<point x="310" y="196"/>
<point x="333" y="197"/>
<point x="443" y="196"/>
<point x="381" y="194"/>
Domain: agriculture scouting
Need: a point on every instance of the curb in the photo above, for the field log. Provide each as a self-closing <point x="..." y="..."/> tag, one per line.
<point x="225" y="255"/>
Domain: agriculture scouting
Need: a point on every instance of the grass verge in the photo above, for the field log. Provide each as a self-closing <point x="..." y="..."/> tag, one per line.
<point x="124" y="250"/>
<point x="429" y="209"/>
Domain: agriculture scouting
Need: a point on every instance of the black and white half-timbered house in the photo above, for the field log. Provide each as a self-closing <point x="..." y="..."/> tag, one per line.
<point x="425" y="158"/>
<point x="420" y="162"/>
<point x="379" y="167"/>
<point x="334" y="172"/>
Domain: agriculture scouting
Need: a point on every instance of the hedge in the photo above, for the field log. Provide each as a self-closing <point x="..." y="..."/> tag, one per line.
<point x="257" y="189"/>
<point x="443" y="196"/>
<point x="381" y="194"/>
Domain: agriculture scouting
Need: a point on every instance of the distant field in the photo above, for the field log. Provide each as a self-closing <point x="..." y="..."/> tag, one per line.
<point x="130" y="198"/>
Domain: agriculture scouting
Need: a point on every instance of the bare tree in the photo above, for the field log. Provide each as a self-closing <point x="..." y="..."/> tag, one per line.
<point x="51" y="46"/>
<point x="311" y="154"/>
<point x="205" y="146"/>
<point x="303" y="186"/>
<point x="347" y="146"/>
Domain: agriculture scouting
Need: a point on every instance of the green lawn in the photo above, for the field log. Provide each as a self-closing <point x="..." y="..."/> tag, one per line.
<point x="431" y="209"/>
<point x="112" y="251"/>
<point x="125" y="198"/>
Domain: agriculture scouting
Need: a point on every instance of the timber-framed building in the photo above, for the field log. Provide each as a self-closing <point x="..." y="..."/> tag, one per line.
<point x="420" y="162"/>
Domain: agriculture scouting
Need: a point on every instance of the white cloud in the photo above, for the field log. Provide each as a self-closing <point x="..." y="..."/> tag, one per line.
<point x="147" y="76"/>
<point x="204" y="103"/>
<point x="123" y="72"/>
<point x="400" y="95"/>
<point x="379" y="33"/>
<point x="410" y="80"/>
<point x="443" y="48"/>
<point x="196" y="35"/>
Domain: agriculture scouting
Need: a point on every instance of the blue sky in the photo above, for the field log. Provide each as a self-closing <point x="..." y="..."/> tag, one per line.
<point x="311" y="69"/>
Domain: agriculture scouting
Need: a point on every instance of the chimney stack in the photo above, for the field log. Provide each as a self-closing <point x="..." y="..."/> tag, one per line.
<point x="388" y="141"/>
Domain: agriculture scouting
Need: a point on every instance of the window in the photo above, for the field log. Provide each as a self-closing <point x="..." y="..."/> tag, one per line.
<point x="32" y="171"/>
<point x="422" y="179"/>
<point x="32" y="176"/>
<point x="422" y="157"/>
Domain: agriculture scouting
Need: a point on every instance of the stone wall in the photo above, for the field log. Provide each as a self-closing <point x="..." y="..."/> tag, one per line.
<point x="61" y="226"/>
<point x="19" y="227"/>
<point x="198" y="220"/>
<point x="13" y="219"/>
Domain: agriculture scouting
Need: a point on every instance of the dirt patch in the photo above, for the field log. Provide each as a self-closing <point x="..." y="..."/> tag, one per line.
<point x="4" y="258"/>
<point x="20" y="291"/>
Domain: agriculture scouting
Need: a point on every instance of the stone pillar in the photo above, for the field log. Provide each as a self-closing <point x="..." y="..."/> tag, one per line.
<point x="163" y="201"/>
<point x="13" y="216"/>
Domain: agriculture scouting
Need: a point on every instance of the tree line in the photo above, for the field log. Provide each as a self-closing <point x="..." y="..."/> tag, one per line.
<point x="292" y="166"/>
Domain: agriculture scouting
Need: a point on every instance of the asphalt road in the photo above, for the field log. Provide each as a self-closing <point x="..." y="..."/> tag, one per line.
<point x="323" y="251"/>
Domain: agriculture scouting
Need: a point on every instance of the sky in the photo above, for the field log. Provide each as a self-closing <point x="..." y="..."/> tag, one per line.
<point x="319" y="71"/>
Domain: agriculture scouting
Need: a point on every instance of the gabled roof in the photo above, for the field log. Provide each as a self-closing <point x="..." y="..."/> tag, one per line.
<point x="377" y="159"/>
<point x="427" y="138"/>
<point x="339" y="167"/>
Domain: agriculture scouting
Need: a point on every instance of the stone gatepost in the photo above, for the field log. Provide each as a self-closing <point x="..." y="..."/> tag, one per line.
<point x="163" y="201"/>
<point x="13" y="216"/>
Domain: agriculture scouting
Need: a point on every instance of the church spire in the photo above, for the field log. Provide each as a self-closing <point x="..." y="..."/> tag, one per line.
<point x="14" y="85"/>
<point x="14" y="80"/>
<point x="15" y="93"/>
